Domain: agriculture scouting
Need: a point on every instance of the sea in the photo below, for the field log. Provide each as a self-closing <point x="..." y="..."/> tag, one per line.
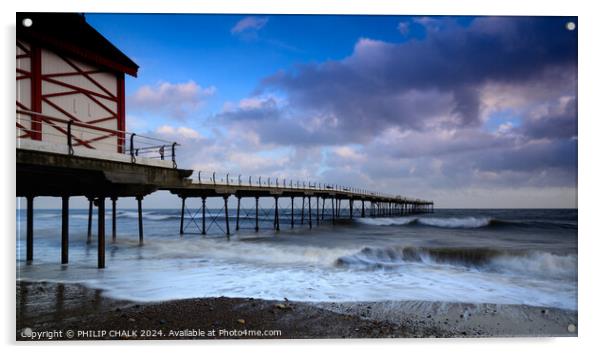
<point x="510" y="256"/>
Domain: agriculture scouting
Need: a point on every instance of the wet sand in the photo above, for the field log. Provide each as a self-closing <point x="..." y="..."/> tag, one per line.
<point x="53" y="310"/>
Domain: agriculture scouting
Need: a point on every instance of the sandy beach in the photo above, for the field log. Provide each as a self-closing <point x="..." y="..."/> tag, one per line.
<point x="51" y="310"/>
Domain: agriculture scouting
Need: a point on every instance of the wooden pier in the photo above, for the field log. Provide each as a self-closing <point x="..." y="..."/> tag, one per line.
<point x="361" y="203"/>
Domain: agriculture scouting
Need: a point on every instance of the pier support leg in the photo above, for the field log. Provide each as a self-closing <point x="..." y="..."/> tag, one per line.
<point x="65" y="230"/>
<point x="323" y="203"/>
<point x="182" y="216"/>
<point x="91" y="202"/>
<point x="303" y="211"/>
<point x="363" y="210"/>
<point x="309" y="210"/>
<point x="204" y="207"/>
<point x="237" y="213"/>
<point x="29" y="246"/>
<point x="317" y="211"/>
<point x="350" y="209"/>
<point x="101" y="232"/>
<point x="332" y="202"/>
<point x="140" y="228"/>
<point x="256" y="214"/>
<point x="227" y="218"/>
<point x="276" y="215"/>
<point x="292" y="212"/>
<point x="114" y="219"/>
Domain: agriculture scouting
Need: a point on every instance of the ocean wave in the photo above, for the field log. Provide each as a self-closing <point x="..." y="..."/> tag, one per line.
<point x="388" y="221"/>
<point x="465" y="223"/>
<point x="456" y="223"/>
<point x="537" y="263"/>
<point x="471" y="222"/>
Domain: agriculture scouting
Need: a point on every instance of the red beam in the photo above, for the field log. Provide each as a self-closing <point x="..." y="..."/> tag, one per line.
<point x="78" y="69"/>
<point x="64" y="84"/>
<point x="36" y="90"/>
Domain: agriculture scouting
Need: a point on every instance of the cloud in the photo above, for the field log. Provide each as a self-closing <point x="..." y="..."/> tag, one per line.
<point x="177" y="100"/>
<point x="365" y="88"/>
<point x="249" y="24"/>
<point x="171" y="132"/>
<point x="420" y="110"/>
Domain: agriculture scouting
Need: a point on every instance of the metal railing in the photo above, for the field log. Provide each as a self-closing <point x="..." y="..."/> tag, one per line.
<point x="232" y="180"/>
<point x="75" y="133"/>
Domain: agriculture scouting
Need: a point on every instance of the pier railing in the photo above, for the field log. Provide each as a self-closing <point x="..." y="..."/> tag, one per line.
<point x="76" y="134"/>
<point x="270" y="182"/>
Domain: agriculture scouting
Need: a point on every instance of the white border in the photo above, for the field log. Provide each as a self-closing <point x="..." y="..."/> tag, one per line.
<point x="589" y="166"/>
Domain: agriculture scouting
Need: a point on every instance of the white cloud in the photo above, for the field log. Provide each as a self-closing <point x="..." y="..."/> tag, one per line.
<point x="176" y="99"/>
<point x="347" y="153"/>
<point x="250" y="23"/>
<point x="179" y="132"/>
<point x="403" y="27"/>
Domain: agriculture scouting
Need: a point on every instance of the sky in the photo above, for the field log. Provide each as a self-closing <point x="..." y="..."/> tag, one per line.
<point x="470" y="112"/>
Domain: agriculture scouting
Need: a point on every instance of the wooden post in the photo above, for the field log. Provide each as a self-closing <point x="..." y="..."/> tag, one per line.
<point x="226" y="212"/>
<point x="332" y="202"/>
<point x="101" y="232"/>
<point x="182" y="216"/>
<point x="323" y="202"/>
<point x="309" y="210"/>
<point x="237" y="213"/>
<point x="91" y="200"/>
<point x="363" y="211"/>
<point x="65" y="230"/>
<point x="114" y="221"/>
<point x="303" y="211"/>
<point x="350" y="208"/>
<point x="204" y="199"/>
<point x="276" y="216"/>
<point x="292" y="212"/>
<point x="140" y="228"/>
<point x="256" y="214"/>
<point x="29" y="246"/>
<point x="317" y="223"/>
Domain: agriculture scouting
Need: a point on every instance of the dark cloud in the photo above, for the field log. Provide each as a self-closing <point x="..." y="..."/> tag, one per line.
<point x="560" y="122"/>
<point x="418" y="108"/>
<point x="364" y="89"/>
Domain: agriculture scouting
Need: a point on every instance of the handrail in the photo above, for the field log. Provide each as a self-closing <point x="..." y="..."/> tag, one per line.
<point x="145" y="147"/>
<point x="319" y="187"/>
<point x="85" y="125"/>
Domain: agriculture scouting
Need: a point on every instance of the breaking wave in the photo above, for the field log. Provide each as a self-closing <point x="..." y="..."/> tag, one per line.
<point x="537" y="263"/>
<point x="465" y="223"/>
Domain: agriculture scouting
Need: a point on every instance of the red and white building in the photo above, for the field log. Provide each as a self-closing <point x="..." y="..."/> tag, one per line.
<point x="67" y="71"/>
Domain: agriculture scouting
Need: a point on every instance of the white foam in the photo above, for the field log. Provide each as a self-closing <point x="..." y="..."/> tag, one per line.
<point x="463" y="223"/>
<point x="387" y="221"/>
<point x="460" y="223"/>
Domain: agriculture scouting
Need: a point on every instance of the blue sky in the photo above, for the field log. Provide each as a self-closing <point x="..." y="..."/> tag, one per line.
<point x="202" y="48"/>
<point x="466" y="111"/>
